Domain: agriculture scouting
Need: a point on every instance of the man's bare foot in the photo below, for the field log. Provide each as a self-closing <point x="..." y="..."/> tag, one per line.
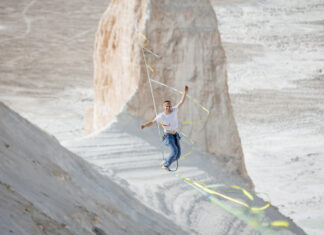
<point x="165" y="168"/>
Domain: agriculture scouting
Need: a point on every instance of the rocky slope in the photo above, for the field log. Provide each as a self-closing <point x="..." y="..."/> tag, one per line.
<point x="131" y="158"/>
<point x="45" y="189"/>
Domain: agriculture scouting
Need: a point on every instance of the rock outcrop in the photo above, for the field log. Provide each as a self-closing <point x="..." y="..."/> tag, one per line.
<point x="185" y="36"/>
<point x="46" y="189"/>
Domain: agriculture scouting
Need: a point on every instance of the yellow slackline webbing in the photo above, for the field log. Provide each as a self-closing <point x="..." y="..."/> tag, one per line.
<point x="206" y="189"/>
<point x="201" y="186"/>
<point x="241" y="214"/>
<point x="149" y="79"/>
<point x="152" y="80"/>
<point x="279" y="223"/>
<point x="246" y="193"/>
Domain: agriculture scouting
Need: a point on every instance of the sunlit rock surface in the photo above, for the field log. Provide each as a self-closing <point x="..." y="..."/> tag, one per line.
<point x="132" y="156"/>
<point x="45" y="189"/>
<point x="47" y="67"/>
<point x="185" y="36"/>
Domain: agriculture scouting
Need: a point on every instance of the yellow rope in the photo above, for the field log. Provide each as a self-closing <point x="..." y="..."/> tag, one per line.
<point x="201" y="186"/>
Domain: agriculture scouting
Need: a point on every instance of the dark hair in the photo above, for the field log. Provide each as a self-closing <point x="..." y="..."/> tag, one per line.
<point x="167" y="101"/>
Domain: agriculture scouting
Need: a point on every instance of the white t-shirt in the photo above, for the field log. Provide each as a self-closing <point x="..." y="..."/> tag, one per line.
<point x="168" y="121"/>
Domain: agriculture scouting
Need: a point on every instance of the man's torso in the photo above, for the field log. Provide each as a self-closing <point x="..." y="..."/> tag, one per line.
<point x="169" y="121"/>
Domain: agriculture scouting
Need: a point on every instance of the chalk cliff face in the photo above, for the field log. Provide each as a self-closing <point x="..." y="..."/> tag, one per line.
<point x="185" y="36"/>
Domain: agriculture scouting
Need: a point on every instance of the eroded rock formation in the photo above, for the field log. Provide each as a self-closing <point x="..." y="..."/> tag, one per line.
<point x="46" y="189"/>
<point x="185" y="36"/>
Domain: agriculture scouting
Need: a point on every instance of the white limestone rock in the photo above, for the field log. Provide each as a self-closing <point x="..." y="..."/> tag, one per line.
<point x="185" y="36"/>
<point x="46" y="189"/>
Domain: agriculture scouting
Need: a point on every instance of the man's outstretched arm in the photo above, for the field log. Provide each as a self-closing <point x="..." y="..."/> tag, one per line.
<point x="183" y="97"/>
<point x="148" y="124"/>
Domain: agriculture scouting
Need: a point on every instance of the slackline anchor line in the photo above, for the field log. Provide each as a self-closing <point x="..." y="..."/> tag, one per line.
<point x="209" y="190"/>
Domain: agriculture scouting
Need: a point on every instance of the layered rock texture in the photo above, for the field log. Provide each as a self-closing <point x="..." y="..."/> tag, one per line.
<point x="46" y="189"/>
<point x="185" y="36"/>
<point x="131" y="156"/>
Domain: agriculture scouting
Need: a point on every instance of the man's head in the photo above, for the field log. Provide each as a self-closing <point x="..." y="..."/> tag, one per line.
<point x="167" y="106"/>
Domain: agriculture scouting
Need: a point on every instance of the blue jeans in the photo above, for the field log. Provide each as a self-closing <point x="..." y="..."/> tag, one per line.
<point x="173" y="141"/>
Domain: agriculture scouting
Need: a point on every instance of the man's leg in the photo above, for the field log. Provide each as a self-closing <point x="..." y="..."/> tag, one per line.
<point x="178" y="146"/>
<point x="174" y="150"/>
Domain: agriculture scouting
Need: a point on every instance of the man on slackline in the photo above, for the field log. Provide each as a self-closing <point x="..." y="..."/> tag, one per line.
<point x="169" y="120"/>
